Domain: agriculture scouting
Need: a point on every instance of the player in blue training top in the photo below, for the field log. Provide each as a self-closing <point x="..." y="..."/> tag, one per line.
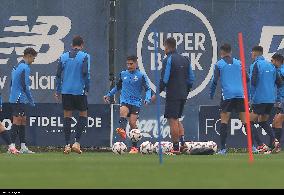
<point x="277" y="60"/>
<point x="72" y="82"/>
<point x="131" y="83"/>
<point x="5" y="135"/>
<point x="176" y="80"/>
<point x="20" y="96"/>
<point x="229" y="70"/>
<point x="263" y="81"/>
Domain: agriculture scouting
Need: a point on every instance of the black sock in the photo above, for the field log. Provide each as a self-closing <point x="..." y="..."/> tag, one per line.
<point x="82" y="124"/>
<point x="176" y="146"/>
<point x="181" y="139"/>
<point x="223" y="135"/>
<point x="134" y="144"/>
<point x="123" y="122"/>
<point x="5" y="136"/>
<point x="67" y="129"/>
<point x="278" y="133"/>
<point x="268" y="130"/>
<point x="255" y="136"/>
<point x="22" y="134"/>
<point x="14" y="132"/>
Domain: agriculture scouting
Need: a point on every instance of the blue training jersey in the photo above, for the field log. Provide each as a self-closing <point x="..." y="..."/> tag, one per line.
<point x="20" y="84"/>
<point x="73" y="73"/>
<point x="229" y="71"/>
<point x="280" y="90"/>
<point x="263" y="81"/>
<point x="1" y="101"/>
<point x="131" y="85"/>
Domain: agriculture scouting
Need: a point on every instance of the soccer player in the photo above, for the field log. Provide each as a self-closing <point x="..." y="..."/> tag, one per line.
<point x="5" y="135"/>
<point x="177" y="79"/>
<point x="72" y="82"/>
<point x="20" y="96"/>
<point x="263" y="81"/>
<point x="277" y="60"/>
<point x="229" y="70"/>
<point x="131" y="83"/>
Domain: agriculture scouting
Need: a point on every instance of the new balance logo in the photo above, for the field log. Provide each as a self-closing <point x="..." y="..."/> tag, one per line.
<point x="268" y="39"/>
<point x="40" y="36"/>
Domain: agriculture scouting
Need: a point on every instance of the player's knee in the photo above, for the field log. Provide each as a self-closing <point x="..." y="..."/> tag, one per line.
<point x="83" y="114"/>
<point x="67" y="114"/>
<point x="24" y="120"/>
<point x="17" y="120"/>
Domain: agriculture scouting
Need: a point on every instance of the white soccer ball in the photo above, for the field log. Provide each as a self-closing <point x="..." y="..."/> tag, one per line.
<point x="188" y="147"/>
<point x="166" y="147"/>
<point x="213" y="145"/>
<point x="119" y="148"/>
<point x="135" y="135"/>
<point x="146" y="148"/>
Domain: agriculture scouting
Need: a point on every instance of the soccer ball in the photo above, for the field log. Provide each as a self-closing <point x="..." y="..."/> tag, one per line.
<point x="146" y="148"/>
<point x="166" y="147"/>
<point x="119" y="148"/>
<point x="212" y="145"/>
<point x="135" y="135"/>
<point x="188" y="147"/>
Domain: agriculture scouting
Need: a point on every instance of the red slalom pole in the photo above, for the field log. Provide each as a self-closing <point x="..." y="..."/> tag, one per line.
<point x="244" y="78"/>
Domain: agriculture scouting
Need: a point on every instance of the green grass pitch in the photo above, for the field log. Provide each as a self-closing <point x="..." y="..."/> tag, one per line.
<point x="107" y="170"/>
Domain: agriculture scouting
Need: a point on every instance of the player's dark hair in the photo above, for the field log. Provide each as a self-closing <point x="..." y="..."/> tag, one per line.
<point x="133" y="58"/>
<point x="258" y="49"/>
<point x="278" y="57"/>
<point x="170" y="42"/>
<point x="226" y="47"/>
<point x="77" y="41"/>
<point x="30" y="51"/>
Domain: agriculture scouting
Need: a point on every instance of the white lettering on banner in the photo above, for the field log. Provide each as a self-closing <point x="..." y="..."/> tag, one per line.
<point x="192" y="45"/>
<point x="236" y="125"/>
<point x="37" y="82"/>
<point x="44" y="121"/>
<point x="36" y="37"/>
<point x="266" y="38"/>
<point x="2" y="81"/>
<point x="7" y="123"/>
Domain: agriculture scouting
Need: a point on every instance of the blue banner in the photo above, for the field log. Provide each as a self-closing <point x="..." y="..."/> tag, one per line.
<point x="147" y="124"/>
<point x="45" y="125"/>
<point x="209" y="125"/>
<point x="49" y="27"/>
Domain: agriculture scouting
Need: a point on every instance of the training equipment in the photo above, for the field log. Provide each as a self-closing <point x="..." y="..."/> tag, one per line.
<point x="135" y="135"/>
<point x="119" y="148"/>
<point x="166" y="147"/>
<point x="146" y="148"/>
<point x="200" y="147"/>
<point x="212" y="145"/>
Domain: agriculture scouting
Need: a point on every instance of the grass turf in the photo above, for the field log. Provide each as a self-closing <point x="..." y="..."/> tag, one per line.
<point x="106" y="170"/>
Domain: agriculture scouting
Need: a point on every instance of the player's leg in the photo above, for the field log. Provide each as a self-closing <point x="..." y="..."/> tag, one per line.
<point x="263" y="122"/>
<point x="257" y="109"/>
<point x="6" y="137"/>
<point x="80" y="104"/>
<point x="16" y="123"/>
<point x="181" y="128"/>
<point x="22" y="133"/>
<point x="226" y="107"/>
<point x="133" y="125"/>
<point x="277" y="128"/>
<point x="124" y="113"/>
<point x="67" y="111"/>
<point x="173" y="111"/>
<point x="277" y="125"/>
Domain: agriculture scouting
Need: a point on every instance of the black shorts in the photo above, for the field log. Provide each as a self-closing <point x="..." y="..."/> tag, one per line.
<point x="18" y="109"/>
<point x="74" y="102"/>
<point x="230" y="105"/>
<point x="174" y="108"/>
<point x="262" y="109"/>
<point x="132" y="109"/>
